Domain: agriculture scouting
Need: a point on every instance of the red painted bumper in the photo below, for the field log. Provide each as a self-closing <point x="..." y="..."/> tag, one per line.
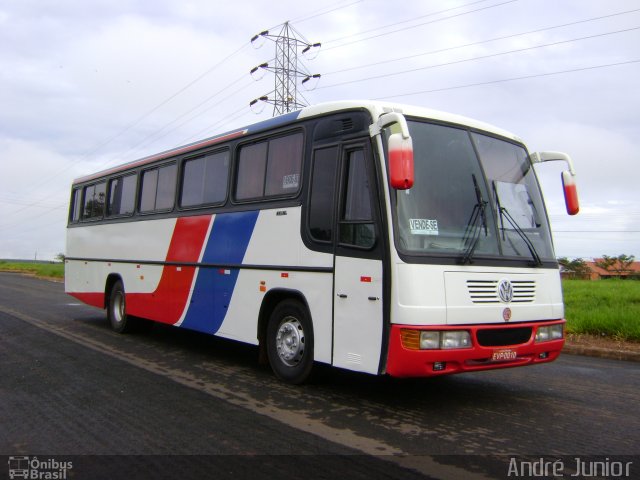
<point x="405" y="362"/>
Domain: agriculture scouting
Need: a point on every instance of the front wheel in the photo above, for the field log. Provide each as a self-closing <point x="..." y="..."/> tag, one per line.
<point x="290" y="342"/>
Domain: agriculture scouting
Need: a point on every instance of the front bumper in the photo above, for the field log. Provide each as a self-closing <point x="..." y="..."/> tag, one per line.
<point x="405" y="362"/>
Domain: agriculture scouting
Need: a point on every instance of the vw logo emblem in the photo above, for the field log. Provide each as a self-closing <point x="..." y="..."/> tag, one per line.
<point x="505" y="291"/>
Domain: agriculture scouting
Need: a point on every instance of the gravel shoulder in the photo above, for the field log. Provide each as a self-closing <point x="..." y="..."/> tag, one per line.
<point x="602" y="346"/>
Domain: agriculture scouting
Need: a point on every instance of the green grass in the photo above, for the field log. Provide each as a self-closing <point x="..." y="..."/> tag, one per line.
<point x="55" y="270"/>
<point x="609" y="307"/>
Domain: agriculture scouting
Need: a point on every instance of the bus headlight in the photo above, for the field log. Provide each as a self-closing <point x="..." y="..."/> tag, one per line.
<point x="549" y="332"/>
<point x="429" y="340"/>
<point x="444" y="340"/>
<point x="455" y="339"/>
<point x="434" y="339"/>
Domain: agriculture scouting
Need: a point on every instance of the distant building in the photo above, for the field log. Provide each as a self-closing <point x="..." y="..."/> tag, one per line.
<point x="598" y="273"/>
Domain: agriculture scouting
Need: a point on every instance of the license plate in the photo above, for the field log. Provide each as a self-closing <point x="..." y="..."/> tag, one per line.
<point x="503" y="355"/>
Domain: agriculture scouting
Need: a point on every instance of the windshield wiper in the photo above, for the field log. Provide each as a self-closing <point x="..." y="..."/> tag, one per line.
<point x="472" y="232"/>
<point x="505" y="213"/>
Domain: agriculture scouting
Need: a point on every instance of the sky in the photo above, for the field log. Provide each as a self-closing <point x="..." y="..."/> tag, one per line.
<point x="89" y="85"/>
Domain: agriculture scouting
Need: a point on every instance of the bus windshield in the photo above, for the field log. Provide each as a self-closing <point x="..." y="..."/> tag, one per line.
<point x="474" y="196"/>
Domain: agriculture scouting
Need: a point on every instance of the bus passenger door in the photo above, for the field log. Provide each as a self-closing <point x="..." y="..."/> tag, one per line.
<point x="358" y="286"/>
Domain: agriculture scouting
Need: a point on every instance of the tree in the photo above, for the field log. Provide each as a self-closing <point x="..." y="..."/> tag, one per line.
<point x="61" y="257"/>
<point x="606" y="262"/>
<point x="622" y="264"/>
<point x="576" y="267"/>
<point x="619" y="265"/>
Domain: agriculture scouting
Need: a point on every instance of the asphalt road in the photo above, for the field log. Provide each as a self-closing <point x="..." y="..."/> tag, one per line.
<point x="170" y="403"/>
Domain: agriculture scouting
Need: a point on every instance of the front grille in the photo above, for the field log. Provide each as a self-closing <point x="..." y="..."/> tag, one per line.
<point x="502" y="337"/>
<point x="524" y="291"/>
<point x="486" y="291"/>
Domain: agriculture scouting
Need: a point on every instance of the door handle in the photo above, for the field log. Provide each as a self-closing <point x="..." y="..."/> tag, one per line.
<point x="342" y="295"/>
<point x="373" y="299"/>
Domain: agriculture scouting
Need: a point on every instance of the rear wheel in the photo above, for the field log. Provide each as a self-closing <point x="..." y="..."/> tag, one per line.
<point x="290" y="342"/>
<point x="117" y="311"/>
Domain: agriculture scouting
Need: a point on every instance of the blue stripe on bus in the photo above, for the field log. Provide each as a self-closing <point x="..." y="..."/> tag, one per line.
<point x="227" y="244"/>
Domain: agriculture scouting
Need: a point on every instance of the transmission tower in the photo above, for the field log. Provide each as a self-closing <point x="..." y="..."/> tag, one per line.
<point x="288" y="68"/>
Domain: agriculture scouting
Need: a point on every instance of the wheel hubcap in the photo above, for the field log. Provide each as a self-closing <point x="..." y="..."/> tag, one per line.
<point x="118" y="307"/>
<point x="290" y="341"/>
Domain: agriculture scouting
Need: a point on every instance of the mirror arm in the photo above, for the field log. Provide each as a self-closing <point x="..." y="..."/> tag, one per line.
<point x="387" y="119"/>
<point x="540" y="157"/>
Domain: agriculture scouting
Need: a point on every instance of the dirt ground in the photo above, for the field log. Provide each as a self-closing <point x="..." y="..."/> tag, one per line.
<point x="602" y="342"/>
<point x="602" y="346"/>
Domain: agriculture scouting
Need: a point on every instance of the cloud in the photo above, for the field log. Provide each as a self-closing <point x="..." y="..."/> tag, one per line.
<point x="78" y="79"/>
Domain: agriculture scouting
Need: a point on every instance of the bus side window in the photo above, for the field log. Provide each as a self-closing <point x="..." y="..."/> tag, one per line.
<point x="122" y="195"/>
<point x="356" y="218"/>
<point x="283" y="165"/>
<point x="323" y="181"/>
<point x="251" y="170"/>
<point x="94" y="200"/>
<point x="74" y="211"/>
<point x="204" y="180"/>
<point x="158" y="188"/>
<point x="270" y="168"/>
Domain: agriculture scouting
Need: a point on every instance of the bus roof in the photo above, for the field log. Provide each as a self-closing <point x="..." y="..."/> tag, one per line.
<point x="376" y="109"/>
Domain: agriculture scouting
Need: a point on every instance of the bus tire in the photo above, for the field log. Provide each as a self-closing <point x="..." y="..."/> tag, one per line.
<point x="290" y="342"/>
<point x="116" y="309"/>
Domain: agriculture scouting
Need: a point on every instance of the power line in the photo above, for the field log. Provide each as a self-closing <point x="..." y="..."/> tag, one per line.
<point x="154" y="109"/>
<point x="228" y="119"/>
<point x="404" y="21"/>
<point x="38" y="226"/>
<point x="171" y="97"/>
<point x="553" y="73"/>
<point x="35" y="205"/>
<point x="315" y="14"/>
<point x="158" y="133"/>
<point x="481" y="42"/>
<point x="504" y="80"/>
<point x="482" y="57"/>
<point x="46" y="197"/>
<point x="21" y="221"/>
<point x="422" y="24"/>
<point x="127" y="128"/>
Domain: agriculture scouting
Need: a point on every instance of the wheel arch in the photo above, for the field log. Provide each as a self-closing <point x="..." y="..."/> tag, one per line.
<point x="111" y="279"/>
<point x="271" y="299"/>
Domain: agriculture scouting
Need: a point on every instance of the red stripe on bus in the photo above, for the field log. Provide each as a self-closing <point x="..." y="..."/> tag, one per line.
<point x="90" y="298"/>
<point x="167" y="302"/>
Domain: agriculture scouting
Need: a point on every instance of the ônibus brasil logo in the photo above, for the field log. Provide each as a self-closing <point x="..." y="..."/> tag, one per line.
<point x="34" y="469"/>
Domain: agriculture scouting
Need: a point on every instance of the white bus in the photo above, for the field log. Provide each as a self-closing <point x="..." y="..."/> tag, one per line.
<point x="379" y="238"/>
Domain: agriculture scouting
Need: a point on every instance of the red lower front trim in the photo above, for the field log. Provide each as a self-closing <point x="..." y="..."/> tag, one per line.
<point x="405" y="362"/>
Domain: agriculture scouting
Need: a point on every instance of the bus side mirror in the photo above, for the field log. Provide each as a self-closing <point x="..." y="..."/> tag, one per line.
<point x="568" y="177"/>
<point x="570" y="193"/>
<point x="400" y="162"/>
